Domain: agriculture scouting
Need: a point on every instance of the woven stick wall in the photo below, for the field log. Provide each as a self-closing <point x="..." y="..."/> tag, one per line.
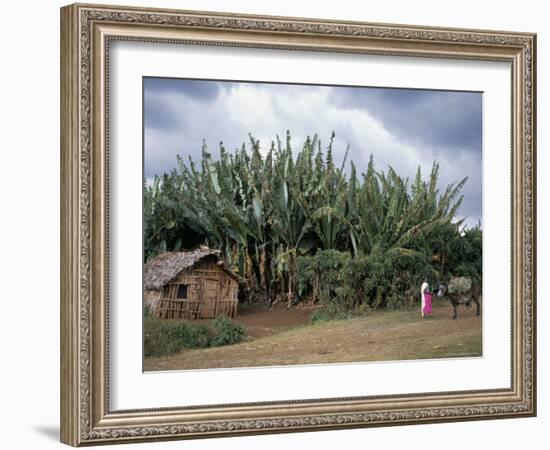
<point x="208" y="291"/>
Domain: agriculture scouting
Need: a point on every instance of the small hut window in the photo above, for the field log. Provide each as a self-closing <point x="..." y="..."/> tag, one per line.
<point x="182" y="291"/>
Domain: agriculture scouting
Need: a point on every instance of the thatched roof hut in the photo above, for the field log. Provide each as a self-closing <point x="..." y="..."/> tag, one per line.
<point x="190" y="284"/>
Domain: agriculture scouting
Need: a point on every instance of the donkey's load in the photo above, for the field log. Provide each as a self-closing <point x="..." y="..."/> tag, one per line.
<point x="460" y="285"/>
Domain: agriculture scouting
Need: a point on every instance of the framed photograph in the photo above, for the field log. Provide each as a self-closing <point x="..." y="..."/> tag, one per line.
<point x="276" y="224"/>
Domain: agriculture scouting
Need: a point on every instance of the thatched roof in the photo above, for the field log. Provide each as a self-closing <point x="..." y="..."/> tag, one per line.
<point x="163" y="268"/>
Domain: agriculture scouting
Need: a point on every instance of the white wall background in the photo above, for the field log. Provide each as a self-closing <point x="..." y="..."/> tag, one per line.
<point x="29" y="222"/>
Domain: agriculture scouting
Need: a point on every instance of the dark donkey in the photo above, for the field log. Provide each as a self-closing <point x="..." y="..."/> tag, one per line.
<point x="462" y="299"/>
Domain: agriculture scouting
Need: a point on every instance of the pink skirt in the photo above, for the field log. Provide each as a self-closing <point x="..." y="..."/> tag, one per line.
<point x="427" y="303"/>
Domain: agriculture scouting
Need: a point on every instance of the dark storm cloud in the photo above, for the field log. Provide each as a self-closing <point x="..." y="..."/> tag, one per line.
<point x="170" y="127"/>
<point x="158" y="113"/>
<point x="447" y="119"/>
<point x="197" y="89"/>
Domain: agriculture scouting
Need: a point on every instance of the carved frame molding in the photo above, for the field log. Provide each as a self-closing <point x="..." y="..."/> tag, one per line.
<point x="86" y="32"/>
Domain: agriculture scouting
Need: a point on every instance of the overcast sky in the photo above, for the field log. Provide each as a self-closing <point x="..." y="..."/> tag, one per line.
<point x="403" y="128"/>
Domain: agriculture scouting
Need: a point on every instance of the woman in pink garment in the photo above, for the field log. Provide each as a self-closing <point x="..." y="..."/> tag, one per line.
<point x="426" y="295"/>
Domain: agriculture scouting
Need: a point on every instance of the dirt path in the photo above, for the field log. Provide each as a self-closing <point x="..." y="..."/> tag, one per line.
<point x="260" y="321"/>
<point x="388" y="335"/>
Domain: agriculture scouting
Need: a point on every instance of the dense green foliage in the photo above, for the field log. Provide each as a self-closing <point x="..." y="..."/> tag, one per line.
<point x="163" y="337"/>
<point x="298" y="226"/>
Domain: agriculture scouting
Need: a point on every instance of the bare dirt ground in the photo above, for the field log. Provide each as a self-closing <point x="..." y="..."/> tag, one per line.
<point x="278" y="336"/>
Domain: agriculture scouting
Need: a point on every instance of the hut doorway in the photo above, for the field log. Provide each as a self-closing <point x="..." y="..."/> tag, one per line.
<point x="209" y="296"/>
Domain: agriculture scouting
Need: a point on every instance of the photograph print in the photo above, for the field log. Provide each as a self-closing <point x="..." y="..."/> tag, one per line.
<point x="297" y="224"/>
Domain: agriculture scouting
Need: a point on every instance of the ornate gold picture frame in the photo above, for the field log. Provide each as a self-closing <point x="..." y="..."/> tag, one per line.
<point x="87" y="32"/>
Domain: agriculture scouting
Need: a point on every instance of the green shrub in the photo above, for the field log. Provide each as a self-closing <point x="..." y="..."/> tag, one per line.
<point x="162" y="337"/>
<point x="153" y="345"/>
<point x="227" y="331"/>
<point x="382" y="279"/>
<point x="363" y="310"/>
<point x="146" y="311"/>
<point x="184" y="335"/>
<point x="320" y="276"/>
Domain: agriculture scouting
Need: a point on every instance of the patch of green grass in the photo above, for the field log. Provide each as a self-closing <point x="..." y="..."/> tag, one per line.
<point x="467" y="346"/>
<point x="332" y="311"/>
